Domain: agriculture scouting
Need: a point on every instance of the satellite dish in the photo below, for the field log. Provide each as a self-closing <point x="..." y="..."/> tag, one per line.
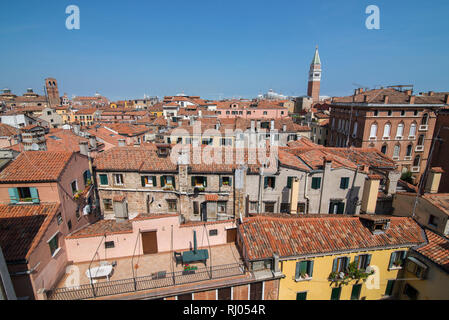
<point x="35" y="147"/>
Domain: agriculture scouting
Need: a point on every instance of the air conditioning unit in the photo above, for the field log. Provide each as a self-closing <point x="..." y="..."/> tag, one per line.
<point x="408" y="158"/>
<point x="415" y="169"/>
<point x="423" y="127"/>
<point x="419" y="148"/>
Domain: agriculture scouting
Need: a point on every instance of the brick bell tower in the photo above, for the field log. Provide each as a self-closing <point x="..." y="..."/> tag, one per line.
<point x="313" y="88"/>
<point x="51" y="85"/>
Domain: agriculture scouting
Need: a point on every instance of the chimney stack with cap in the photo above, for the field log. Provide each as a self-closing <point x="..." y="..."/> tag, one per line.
<point x="84" y="148"/>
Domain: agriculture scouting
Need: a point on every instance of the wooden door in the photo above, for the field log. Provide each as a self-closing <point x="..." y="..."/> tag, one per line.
<point x="149" y="242"/>
<point x="231" y="235"/>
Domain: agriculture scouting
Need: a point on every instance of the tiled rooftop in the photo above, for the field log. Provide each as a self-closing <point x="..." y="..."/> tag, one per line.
<point x="36" y="166"/>
<point x="263" y="235"/>
<point x="437" y="249"/>
<point x="22" y="227"/>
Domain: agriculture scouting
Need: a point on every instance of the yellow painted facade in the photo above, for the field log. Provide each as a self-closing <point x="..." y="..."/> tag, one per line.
<point x="320" y="288"/>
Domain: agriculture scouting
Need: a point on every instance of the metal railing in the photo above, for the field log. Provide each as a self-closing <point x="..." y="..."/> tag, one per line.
<point x="154" y="281"/>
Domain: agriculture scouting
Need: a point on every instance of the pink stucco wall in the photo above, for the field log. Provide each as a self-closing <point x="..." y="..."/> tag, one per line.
<point x="84" y="249"/>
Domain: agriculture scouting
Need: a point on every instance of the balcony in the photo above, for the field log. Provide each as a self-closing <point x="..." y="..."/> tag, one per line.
<point x="151" y="274"/>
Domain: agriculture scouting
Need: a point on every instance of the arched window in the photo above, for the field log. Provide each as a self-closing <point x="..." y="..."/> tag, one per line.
<point x="384" y="149"/>
<point x="354" y="131"/>
<point x="425" y="119"/>
<point x="416" y="161"/>
<point x="373" y="132"/>
<point x="400" y="131"/>
<point x="421" y="140"/>
<point x="409" y="150"/>
<point x="412" y="131"/>
<point x="397" y="149"/>
<point x="387" y="129"/>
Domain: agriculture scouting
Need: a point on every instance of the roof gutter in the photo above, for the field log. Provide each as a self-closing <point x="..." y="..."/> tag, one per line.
<point x="21" y="273"/>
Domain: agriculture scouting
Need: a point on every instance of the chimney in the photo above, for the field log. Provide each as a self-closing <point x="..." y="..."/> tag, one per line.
<point x="386" y="99"/>
<point x="433" y="180"/>
<point x="412" y="100"/>
<point x="276" y="270"/>
<point x="76" y="129"/>
<point x="84" y="148"/>
<point x="93" y="142"/>
<point x="431" y="93"/>
<point x="370" y="193"/>
<point x="121" y="143"/>
<point x="272" y="125"/>
<point x="120" y="209"/>
<point x="409" y="92"/>
<point x="294" y="194"/>
<point x="284" y="128"/>
<point x="252" y="126"/>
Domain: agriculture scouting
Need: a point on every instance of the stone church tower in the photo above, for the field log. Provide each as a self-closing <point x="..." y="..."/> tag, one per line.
<point x="313" y="88"/>
<point x="51" y="85"/>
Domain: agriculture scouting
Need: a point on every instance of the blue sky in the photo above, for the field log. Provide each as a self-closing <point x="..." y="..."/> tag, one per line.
<point x="126" y="49"/>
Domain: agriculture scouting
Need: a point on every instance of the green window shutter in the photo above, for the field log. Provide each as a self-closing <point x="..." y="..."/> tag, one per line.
<point x="265" y="183"/>
<point x="298" y="270"/>
<point x="335" y="295"/>
<point x="355" y="294"/>
<point x="274" y="182"/>
<point x="389" y="289"/>
<point x="162" y="181"/>
<point x="34" y="195"/>
<point x="154" y="181"/>
<point x="356" y="260"/>
<point x="174" y="182"/>
<point x="303" y="267"/>
<point x="348" y="261"/>
<point x="334" y="265"/>
<point x="340" y="208"/>
<point x="368" y="260"/>
<point x="301" y="296"/>
<point x="289" y="182"/>
<point x="142" y="178"/>
<point x="310" y="271"/>
<point x="104" y="179"/>
<point x="13" y="195"/>
<point x="392" y="258"/>
<point x="193" y="181"/>
<point x="316" y="183"/>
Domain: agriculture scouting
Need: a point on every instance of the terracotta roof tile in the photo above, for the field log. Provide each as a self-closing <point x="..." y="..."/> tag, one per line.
<point x="437" y="249"/>
<point x="103" y="227"/>
<point x="295" y="236"/>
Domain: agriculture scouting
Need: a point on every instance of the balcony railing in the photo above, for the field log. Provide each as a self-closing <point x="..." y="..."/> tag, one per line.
<point x="154" y="281"/>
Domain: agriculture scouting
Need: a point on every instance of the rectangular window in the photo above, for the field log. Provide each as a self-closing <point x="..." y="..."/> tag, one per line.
<point x="390" y="287"/>
<point x="355" y="293"/>
<point x="410" y="292"/>
<point x="225" y="181"/>
<point x="301" y="207"/>
<point x="224" y="293"/>
<point x="344" y="183"/>
<point x="168" y="181"/>
<point x="148" y="181"/>
<point x="221" y="207"/>
<point x="54" y="244"/>
<point x="59" y="218"/>
<point x="397" y="259"/>
<point x="304" y="270"/>
<point x="109" y="244"/>
<point x="172" y="205"/>
<point x="107" y="204"/>
<point x="316" y="183"/>
<point x="213" y="232"/>
<point x="269" y="182"/>
<point x="118" y="179"/>
<point x="226" y="142"/>
<point x="253" y="206"/>
<point x="433" y="221"/>
<point x="104" y="179"/>
<point x="196" y="209"/>
<point x="199" y="181"/>
<point x="301" y="295"/>
<point x="340" y="264"/>
<point x="86" y="177"/>
<point x="74" y="186"/>
<point x="336" y="292"/>
<point x="285" y="207"/>
<point x="24" y="194"/>
<point x="363" y="261"/>
<point x="269" y="207"/>
<point x="255" y="291"/>
<point x="290" y="182"/>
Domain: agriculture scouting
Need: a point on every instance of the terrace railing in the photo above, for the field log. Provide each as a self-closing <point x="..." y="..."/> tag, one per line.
<point x="154" y="281"/>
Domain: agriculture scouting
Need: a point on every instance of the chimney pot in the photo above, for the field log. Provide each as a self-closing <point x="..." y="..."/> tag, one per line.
<point x="412" y="100"/>
<point x="386" y="99"/>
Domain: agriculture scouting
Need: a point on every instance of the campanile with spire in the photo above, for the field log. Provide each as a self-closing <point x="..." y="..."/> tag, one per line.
<point x="313" y="88"/>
